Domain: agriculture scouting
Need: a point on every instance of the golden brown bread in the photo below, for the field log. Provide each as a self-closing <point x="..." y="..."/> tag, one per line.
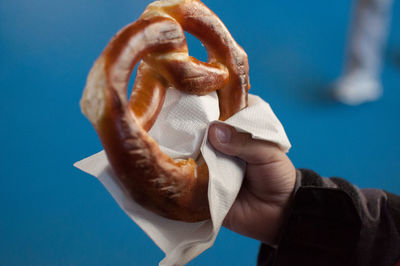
<point x="175" y="189"/>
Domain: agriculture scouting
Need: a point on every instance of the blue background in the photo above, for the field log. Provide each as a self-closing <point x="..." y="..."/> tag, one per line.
<point x="53" y="214"/>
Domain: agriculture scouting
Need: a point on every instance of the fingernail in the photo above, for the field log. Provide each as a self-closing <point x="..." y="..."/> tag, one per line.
<point x="223" y="134"/>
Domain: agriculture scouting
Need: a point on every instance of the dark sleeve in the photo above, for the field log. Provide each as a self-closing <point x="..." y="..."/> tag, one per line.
<point x="332" y="222"/>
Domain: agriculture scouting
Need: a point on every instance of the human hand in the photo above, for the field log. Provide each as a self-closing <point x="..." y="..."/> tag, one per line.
<point x="263" y="200"/>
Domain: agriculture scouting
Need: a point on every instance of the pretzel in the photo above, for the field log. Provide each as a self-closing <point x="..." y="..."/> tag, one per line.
<point x="175" y="189"/>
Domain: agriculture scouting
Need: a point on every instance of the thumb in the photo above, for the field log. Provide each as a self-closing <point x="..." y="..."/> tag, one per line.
<point x="228" y="141"/>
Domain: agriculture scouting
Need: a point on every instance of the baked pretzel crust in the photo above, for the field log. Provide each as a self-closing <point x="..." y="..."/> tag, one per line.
<point x="175" y="189"/>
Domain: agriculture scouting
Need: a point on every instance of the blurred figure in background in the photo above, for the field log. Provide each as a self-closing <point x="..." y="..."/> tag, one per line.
<point x="360" y="81"/>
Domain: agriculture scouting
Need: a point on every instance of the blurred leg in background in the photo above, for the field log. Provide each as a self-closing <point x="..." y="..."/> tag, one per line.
<point x="360" y="81"/>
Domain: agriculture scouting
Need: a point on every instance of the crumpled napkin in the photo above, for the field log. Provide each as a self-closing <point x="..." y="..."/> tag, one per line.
<point x="181" y="131"/>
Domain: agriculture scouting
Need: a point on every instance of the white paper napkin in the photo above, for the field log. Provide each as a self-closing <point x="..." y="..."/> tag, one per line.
<point x="181" y="130"/>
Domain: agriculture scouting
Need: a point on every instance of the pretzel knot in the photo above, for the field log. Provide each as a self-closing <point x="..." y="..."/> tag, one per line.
<point x="175" y="189"/>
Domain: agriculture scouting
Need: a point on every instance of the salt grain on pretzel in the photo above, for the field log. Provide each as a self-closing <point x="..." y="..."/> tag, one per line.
<point x="175" y="189"/>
